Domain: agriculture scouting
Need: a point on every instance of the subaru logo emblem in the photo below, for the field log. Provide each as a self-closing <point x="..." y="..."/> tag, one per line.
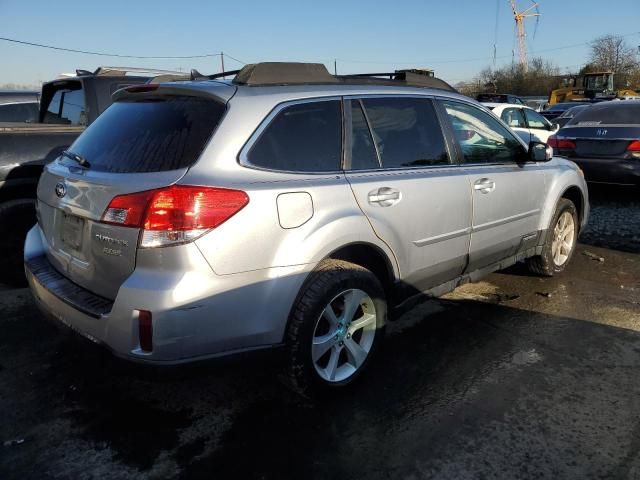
<point x="61" y="190"/>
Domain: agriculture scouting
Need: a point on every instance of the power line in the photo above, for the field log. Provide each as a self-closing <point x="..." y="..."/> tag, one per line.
<point x="435" y="62"/>
<point x="102" y="54"/>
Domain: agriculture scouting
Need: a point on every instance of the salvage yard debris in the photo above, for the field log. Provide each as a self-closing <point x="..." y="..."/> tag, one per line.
<point x="593" y="256"/>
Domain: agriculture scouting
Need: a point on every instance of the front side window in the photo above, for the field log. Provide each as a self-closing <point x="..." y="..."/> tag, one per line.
<point x="536" y="120"/>
<point x="514" y="118"/>
<point x="406" y="131"/>
<point x="481" y="137"/>
<point x="306" y="137"/>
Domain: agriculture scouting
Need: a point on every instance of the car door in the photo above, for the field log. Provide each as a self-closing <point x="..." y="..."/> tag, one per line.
<point x="541" y="128"/>
<point x="507" y="190"/>
<point x="400" y="170"/>
<point x="514" y="117"/>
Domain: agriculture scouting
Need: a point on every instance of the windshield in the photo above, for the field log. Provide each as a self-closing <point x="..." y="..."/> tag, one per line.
<point x="598" y="82"/>
<point x="151" y="135"/>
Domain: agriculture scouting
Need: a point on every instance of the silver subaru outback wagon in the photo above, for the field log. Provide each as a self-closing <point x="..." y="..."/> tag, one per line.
<point x="288" y="207"/>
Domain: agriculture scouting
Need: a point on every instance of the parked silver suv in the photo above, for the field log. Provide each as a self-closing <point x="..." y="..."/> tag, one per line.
<point x="287" y="207"/>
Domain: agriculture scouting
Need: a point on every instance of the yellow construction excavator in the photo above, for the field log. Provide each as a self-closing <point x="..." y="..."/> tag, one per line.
<point x="589" y="86"/>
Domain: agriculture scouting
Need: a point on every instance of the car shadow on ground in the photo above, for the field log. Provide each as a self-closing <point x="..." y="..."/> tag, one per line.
<point x="457" y="385"/>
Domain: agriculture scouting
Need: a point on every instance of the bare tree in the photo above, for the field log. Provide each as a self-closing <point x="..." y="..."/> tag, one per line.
<point x="611" y="53"/>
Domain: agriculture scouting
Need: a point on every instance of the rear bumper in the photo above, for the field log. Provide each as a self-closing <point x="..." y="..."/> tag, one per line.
<point x="196" y="314"/>
<point x="610" y="170"/>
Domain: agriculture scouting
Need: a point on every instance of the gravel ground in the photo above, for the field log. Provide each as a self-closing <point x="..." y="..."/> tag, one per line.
<point x="615" y="218"/>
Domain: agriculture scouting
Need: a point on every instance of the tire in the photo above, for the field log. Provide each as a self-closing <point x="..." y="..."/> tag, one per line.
<point x="16" y="219"/>
<point x="332" y="288"/>
<point x="550" y="261"/>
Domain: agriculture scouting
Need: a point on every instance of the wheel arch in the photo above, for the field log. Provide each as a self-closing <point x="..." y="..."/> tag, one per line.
<point x="372" y="258"/>
<point x="574" y="194"/>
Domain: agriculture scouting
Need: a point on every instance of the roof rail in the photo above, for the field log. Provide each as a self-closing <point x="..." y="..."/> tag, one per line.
<point x="290" y="73"/>
<point x="283" y="73"/>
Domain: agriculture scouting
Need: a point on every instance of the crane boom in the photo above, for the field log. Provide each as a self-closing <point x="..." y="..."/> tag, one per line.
<point x="521" y="33"/>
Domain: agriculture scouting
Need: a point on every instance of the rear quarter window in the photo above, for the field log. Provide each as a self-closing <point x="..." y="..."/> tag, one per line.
<point x="305" y="137"/>
<point x="150" y="135"/>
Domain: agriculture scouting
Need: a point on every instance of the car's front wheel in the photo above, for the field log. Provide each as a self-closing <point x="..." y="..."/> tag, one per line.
<point x="335" y="327"/>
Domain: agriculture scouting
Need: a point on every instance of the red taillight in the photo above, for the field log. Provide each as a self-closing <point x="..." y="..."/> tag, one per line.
<point x="175" y="214"/>
<point x="561" y="143"/>
<point x="634" y="146"/>
<point x="145" y="330"/>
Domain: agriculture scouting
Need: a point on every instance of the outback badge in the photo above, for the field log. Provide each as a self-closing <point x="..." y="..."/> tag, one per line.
<point x="61" y="189"/>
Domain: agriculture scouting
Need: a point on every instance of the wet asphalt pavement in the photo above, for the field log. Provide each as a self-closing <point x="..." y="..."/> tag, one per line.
<point x="514" y="377"/>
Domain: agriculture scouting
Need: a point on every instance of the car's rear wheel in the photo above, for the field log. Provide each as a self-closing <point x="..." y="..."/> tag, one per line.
<point x="16" y="218"/>
<point x="560" y="243"/>
<point x="335" y="326"/>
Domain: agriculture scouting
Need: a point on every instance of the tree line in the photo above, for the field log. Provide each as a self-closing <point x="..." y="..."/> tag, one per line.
<point x="609" y="53"/>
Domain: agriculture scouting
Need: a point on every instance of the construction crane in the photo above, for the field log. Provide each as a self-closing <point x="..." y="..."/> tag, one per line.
<point x="520" y="30"/>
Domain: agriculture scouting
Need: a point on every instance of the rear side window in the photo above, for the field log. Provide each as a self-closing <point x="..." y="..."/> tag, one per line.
<point x="151" y="135"/>
<point x="617" y="114"/>
<point x="67" y="107"/>
<point x="306" y="137"/>
<point x="406" y="131"/>
<point x="363" y="151"/>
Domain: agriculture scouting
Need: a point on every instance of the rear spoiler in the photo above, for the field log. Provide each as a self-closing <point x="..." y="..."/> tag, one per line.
<point x="221" y="92"/>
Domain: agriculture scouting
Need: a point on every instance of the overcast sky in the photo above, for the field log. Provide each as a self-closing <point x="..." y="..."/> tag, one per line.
<point x="455" y="38"/>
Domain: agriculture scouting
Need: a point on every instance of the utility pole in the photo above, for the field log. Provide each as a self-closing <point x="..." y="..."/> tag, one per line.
<point x="222" y="62"/>
<point x="335" y="66"/>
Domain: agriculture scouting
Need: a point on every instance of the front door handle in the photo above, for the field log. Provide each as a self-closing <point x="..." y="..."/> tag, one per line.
<point x="484" y="185"/>
<point x="384" y="196"/>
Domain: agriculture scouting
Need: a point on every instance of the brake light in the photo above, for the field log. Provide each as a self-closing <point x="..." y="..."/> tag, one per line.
<point x="142" y="88"/>
<point x="175" y="214"/>
<point x="561" y="143"/>
<point x="634" y="146"/>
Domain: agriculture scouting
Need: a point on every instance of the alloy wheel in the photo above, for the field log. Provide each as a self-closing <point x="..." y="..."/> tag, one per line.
<point x="563" y="239"/>
<point x="343" y="335"/>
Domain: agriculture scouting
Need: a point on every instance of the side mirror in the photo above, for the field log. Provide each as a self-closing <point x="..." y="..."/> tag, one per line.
<point x="555" y="127"/>
<point x="540" y="152"/>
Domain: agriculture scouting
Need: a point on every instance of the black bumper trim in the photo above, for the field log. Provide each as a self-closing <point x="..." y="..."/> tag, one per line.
<point x="67" y="291"/>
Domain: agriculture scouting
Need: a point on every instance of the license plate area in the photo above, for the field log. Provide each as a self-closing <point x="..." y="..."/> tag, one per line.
<point x="72" y="231"/>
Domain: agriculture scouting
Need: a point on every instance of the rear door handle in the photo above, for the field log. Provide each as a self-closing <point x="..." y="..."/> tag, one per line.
<point x="384" y="196"/>
<point x="484" y="185"/>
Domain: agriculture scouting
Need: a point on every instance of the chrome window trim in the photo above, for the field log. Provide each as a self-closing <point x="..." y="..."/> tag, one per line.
<point x="243" y="159"/>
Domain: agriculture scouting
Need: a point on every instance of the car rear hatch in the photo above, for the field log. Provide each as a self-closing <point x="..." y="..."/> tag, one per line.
<point x="146" y="140"/>
<point x="607" y="141"/>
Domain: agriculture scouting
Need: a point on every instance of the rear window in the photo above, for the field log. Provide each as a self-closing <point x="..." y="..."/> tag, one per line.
<point x="620" y="114"/>
<point x="302" y="138"/>
<point x="150" y="135"/>
<point x="488" y="97"/>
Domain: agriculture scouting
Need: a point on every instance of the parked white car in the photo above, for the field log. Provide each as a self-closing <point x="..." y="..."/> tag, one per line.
<point x="524" y="121"/>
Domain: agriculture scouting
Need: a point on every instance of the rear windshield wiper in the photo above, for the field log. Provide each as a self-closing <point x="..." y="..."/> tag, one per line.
<point x="78" y="158"/>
